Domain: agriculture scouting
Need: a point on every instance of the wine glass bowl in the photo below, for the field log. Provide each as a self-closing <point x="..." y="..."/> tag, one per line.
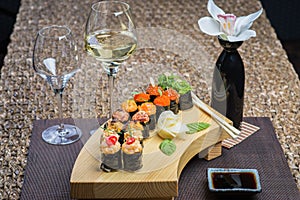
<point x="56" y="60"/>
<point x="110" y="37"/>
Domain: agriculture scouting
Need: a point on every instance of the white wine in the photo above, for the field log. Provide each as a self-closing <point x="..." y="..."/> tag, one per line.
<point x="111" y="47"/>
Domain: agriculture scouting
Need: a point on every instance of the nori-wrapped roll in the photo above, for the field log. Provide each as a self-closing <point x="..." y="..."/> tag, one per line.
<point x="121" y="116"/>
<point x="185" y="101"/>
<point x="150" y="109"/>
<point x="132" y="162"/>
<point x="162" y="104"/>
<point x="111" y="152"/>
<point x="113" y="161"/>
<point x="137" y="134"/>
<point x="130" y="107"/>
<point x="143" y="118"/>
<point x="174" y="99"/>
<point x="152" y="121"/>
<point x="160" y="109"/>
<point x="181" y="86"/>
<point x="135" y="129"/>
<point x="115" y="127"/>
<point x="132" y="155"/>
<point x="154" y="91"/>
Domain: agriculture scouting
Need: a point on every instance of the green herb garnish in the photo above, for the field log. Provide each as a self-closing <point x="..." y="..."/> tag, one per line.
<point x="175" y="82"/>
<point x="196" y="127"/>
<point x="168" y="147"/>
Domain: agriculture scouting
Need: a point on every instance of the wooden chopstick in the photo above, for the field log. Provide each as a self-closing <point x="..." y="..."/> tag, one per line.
<point x="231" y="130"/>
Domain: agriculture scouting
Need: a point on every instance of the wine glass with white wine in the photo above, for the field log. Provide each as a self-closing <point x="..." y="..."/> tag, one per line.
<point x="110" y="37"/>
<point x="55" y="59"/>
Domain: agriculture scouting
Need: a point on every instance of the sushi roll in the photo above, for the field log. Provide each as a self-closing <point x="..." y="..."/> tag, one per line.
<point x="181" y="86"/>
<point x="174" y="99"/>
<point x="162" y="104"/>
<point x="143" y="118"/>
<point x="130" y="107"/>
<point x="116" y="127"/>
<point x="135" y="133"/>
<point x="110" y="152"/>
<point x="185" y="101"/>
<point x="121" y="116"/>
<point x="154" y="91"/>
<point x="141" y="98"/>
<point x="150" y="109"/>
<point x="132" y="154"/>
<point x="135" y="125"/>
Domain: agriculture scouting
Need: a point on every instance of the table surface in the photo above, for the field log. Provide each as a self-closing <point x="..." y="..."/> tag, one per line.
<point x="46" y="179"/>
<point x="169" y="38"/>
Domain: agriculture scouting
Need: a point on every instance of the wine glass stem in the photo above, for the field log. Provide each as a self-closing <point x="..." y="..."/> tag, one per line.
<point x="59" y="102"/>
<point x="111" y="70"/>
<point x="111" y="88"/>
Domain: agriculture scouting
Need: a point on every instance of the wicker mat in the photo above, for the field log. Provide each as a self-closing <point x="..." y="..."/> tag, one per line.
<point x="49" y="167"/>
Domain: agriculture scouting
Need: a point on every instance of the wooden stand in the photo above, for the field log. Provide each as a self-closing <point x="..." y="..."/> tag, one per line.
<point x="158" y="179"/>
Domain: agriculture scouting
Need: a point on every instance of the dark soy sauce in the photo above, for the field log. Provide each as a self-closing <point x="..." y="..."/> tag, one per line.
<point x="223" y="180"/>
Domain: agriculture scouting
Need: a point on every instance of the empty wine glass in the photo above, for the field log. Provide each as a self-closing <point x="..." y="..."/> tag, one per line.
<point x="110" y="37"/>
<point x="55" y="59"/>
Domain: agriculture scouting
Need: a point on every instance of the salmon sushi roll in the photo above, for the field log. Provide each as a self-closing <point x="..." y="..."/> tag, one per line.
<point x="143" y="118"/>
<point x="130" y="107"/>
<point x="162" y="104"/>
<point x="174" y="99"/>
<point x="150" y="109"/>
<point x="154" y="91"/>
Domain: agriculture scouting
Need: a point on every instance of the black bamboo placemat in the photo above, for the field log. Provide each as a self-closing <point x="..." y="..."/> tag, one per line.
<point x="49" y="167"/>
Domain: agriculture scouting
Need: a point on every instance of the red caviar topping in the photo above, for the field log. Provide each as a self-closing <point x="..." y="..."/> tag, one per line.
<point x="162" y="100"/>
<point x="171" y="93"/>
<point x="154" y="90"/>
<point x="141" y="97"/>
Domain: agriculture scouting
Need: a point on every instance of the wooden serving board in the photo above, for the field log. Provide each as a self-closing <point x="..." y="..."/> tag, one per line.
<point x="159" y="176"/>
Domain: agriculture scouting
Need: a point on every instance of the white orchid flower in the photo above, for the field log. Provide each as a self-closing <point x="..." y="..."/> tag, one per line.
<point x="227" y="26"/>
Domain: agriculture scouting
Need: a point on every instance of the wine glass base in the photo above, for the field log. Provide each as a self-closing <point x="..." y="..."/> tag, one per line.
<point x="51" y="135"/>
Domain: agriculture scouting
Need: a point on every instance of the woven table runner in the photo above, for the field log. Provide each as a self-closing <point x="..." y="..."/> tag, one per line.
<point x="49" y="167"/>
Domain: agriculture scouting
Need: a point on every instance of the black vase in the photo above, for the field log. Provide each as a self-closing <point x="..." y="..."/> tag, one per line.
<point x="228" y="83"/>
